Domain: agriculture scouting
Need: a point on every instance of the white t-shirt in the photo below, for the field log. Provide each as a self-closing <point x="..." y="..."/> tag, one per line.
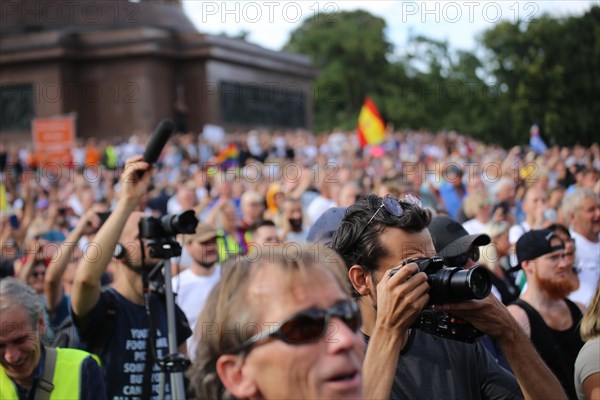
<point x="474" y="226"/>
<point x="192" y="291"/>
<point x="317" y="207"/>
<point x="173" y="206"/>
<point x="518" y="230"/>
<point x="587" y="259"/>
<point x="514" y="233"/>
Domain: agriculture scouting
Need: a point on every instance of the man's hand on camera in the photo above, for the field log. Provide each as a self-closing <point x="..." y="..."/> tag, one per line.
<point x="488" y="315"/>
<point x="400" y="298"/>
<point x="134" y="180"/>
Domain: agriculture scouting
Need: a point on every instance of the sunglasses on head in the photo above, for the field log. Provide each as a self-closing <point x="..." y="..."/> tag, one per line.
<point x="394" y="207"/>
<point x="461" y="259"/>
<point x="309" y="325"/>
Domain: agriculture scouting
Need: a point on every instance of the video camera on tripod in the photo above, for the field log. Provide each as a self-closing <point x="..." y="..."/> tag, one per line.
<point x="161" y="233"/>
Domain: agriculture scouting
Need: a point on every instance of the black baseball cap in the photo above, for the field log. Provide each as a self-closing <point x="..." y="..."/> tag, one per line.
<point x="326" y="225"/>
<point x="536" y="243"/>
<point x="451" y="239"/>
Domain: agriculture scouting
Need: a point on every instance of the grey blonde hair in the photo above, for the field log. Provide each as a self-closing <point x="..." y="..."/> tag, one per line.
<point x="222" y="325"/>
<point x="13" y="293"/>
<point x="473" y="201"/>
<point x="574" y="200"/>
<point x="590" y="324"/>
<point x="501" y="184"/>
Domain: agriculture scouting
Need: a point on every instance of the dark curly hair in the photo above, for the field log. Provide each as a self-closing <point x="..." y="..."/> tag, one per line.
<point x="357" y="240"/>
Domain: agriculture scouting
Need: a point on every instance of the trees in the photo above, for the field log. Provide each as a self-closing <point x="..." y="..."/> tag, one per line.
<point x="351" y="50"/>
<point x="544" y="72"/>
<point x="550" y="68"/>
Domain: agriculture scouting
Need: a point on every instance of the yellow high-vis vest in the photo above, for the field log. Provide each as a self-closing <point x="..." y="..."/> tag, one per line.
<point x="65" y="381"/>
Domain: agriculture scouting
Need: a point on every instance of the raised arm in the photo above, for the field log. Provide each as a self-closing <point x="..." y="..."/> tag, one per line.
<point x="86" y="285"/>
<point x="53" y="207"/>
<point x="23" y="268"/>
<point x="53" y="288"/>
<point x="213" y="213"/>
<point x="6" y="232"/>
<point x="492" y="317"/>
<point x="28" y="212"/>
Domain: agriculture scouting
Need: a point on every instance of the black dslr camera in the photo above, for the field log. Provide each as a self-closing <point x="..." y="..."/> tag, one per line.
<point x="450" y="285"/>
<point x="162" y="232"/>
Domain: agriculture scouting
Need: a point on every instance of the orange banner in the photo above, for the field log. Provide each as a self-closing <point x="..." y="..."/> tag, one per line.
<point x="53" y="139"/>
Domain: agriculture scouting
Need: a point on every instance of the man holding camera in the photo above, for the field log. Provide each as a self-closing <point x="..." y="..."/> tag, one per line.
<point x="114" y="323"/>
<point x="378" y="235"/>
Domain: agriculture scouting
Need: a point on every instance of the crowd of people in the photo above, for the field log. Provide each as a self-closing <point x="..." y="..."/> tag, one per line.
<point x="305" y="277"/>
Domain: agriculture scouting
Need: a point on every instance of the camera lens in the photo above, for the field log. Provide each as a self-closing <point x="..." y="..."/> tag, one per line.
<point x="182" y="223"/>
<point x="474" y="283"/>
<point x="480" y="283"/>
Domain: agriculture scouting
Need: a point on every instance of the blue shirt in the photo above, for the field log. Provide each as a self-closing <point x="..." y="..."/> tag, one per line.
<point x="125" y="348"/>
<point x="452" y="200"/>
<point x="59" y="314"/>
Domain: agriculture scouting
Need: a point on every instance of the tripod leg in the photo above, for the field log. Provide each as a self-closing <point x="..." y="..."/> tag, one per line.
<point x="177" y="384"/>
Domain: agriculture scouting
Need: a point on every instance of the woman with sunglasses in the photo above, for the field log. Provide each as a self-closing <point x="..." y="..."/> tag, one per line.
<point x="280" y="326"/>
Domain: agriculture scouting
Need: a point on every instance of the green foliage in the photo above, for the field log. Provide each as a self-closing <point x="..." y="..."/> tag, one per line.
<point x="543" y="72"/>
<point x="551" y="71"/>
<point x="351" y="50"/>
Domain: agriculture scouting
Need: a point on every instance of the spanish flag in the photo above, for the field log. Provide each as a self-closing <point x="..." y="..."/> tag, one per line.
<point x="371" y="129"/>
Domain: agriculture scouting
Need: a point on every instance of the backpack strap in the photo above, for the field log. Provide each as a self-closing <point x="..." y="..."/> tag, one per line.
<point x="45" y="386"/>
<point x="108" y="327"/>
<point x="64" y="334"/>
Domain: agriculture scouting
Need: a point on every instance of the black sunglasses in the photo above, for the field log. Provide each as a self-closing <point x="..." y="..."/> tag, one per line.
<point x="309" y="325"/>
<point x="35" y="274"/>
<point x="461" y="259"/>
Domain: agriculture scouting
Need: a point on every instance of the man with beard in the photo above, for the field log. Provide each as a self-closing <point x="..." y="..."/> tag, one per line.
<point x="292" y="224"/>
<point x="543" y="310"/>
<point x="114" y="323"/>
<point x="195" y="283"/>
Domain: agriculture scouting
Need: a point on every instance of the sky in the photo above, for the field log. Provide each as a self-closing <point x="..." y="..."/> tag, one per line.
<point x="269" y="23"/>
